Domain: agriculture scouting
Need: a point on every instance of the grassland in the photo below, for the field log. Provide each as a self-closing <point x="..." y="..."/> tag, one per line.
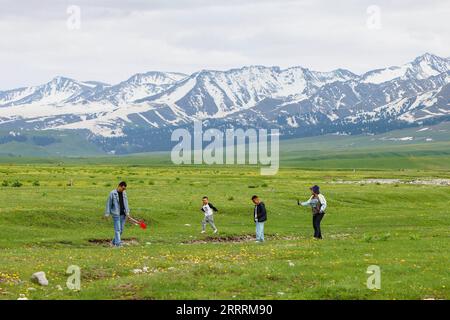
<point x="402" y="228"/>
<point x="52" y="218"/>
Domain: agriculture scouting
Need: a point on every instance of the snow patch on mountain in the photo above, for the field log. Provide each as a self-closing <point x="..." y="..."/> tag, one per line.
<point x="422" y="67"/>
<point x="296" y="100"/>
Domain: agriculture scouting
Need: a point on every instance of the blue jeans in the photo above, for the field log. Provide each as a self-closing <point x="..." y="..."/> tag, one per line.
<point x="260" y="231"/>
<point x="119" y="224"/>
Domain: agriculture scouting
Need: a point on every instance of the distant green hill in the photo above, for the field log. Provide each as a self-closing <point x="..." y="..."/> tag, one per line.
<point x="47" y="144"/>
<point x="413" y="148"/>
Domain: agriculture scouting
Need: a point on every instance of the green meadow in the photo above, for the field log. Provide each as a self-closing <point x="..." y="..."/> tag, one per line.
<point x="52" y="208"/>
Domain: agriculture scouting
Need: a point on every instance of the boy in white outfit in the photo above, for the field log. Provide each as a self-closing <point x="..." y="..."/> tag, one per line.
<point x="208" y="209"/>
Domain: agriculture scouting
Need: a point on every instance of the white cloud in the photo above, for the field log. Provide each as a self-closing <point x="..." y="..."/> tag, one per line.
<point x="119" y="38"/>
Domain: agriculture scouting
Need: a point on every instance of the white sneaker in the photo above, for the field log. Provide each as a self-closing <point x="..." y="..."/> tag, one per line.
<point x="215" y="231"/>
<point x="203" y="231"/>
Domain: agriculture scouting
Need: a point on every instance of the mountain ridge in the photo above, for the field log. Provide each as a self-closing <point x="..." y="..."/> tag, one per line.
<point x="296" y="100"/>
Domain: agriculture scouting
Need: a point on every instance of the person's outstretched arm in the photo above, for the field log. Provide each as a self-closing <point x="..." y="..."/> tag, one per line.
<point x="304" y="204"/>
<point x="212" y="207"/>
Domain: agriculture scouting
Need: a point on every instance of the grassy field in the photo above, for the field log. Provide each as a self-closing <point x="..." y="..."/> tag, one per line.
<point x="47" y="225"/>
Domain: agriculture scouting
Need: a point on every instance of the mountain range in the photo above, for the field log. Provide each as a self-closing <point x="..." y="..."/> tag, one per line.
<point x="139" y="114"/>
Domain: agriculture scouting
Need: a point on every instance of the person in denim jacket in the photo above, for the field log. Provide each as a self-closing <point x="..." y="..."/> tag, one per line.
<point x="117" y="207"/>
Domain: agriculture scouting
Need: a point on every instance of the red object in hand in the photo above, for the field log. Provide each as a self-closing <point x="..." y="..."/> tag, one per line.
<point x="142" y="225"/>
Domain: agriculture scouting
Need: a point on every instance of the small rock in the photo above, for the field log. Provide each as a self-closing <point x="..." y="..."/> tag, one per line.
<point x="148" y="243"/>
<point x="145" y="269"/>
<point x="291" y="264"/>
<point x="31" y="289"/>
<point x="59" y="288"/>
<point x="39" y="277"/>
<point x="171" y="268"/>
<point x="281" y="293"/>
<point x="187" y="225"/>
<point x="137" y="271"/>
<point x="22" y="297"/>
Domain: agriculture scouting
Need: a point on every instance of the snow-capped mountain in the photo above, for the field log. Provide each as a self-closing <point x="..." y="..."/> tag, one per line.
<point x="136" y="114"/>
<point x="216" y="94"/>
<point x="58" y="90"/>
<point x="422" y="67"/>
<point x="139" y="86"/>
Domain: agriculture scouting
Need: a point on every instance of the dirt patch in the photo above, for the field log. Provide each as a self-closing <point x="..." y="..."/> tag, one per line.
<point x="237" y="239"/>
<point x="107" y="242"/>
<point x="433" y="182"/>
<point x="127" y="291"/>
<point x="368" y="181"/>
<point x="339" y="236"/>
<point x="95" y="274"/>
<point x="243" y="238"/>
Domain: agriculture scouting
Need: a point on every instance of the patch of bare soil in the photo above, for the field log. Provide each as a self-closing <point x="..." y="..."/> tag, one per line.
<point x="108" y="243"/>
<point x="339" y="236"/>
<point x="433" y="182"/>
<point x="220" y="239"/>
<point x="237" y="239"/>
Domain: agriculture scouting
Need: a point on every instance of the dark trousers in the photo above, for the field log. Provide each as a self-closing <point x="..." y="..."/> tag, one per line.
<point x="317" y="218"/>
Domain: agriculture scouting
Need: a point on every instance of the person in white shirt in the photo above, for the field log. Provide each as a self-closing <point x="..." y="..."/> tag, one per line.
<point x="318" y="204"/>
<point x="208" y="209"/>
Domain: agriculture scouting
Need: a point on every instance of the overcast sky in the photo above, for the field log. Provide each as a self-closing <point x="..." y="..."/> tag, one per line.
<point x="117" y="38"/>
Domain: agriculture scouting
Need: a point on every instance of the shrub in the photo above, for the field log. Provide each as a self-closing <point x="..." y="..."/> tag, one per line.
<point x="253" y="187"/>
<point x="5" y="183"/>
<point x="414" y="237"/>
<point x="385" y="237"/>
<point x="367" y="238"/>
<point x="230" y="198"/>
<point x="36" y="183"/>
<point x="264" y="185"/>
<point x="16" y="184"/>
<point x="151" y="183"/>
